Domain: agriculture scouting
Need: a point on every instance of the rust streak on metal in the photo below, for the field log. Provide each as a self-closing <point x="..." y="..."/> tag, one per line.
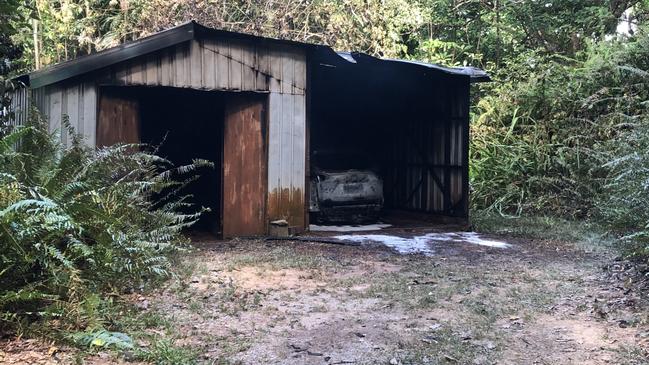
<point x="288" y="204"/>
<point x="118" y="120"/>
<point x="244" y="168"/>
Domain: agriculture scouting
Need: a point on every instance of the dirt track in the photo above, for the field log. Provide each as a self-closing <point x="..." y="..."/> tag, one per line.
<point x="537" y="302"/>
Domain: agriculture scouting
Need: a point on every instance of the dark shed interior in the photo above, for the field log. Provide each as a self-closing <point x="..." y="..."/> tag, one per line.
<point x="408" y="122"/>
<point x="184" y="124"/>
<point x="187" y="125"/>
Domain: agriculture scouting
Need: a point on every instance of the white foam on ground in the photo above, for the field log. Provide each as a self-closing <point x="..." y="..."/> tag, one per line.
<point x="469" y="237"/>
<point x="361" y="228"/>
<point x="423" y="244"/>
<point x="400" y="244"/>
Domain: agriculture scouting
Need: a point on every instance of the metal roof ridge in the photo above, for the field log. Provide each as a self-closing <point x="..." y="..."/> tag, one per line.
<point x="476" y="74"/>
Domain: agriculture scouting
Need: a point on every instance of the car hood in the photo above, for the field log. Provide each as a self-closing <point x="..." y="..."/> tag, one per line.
<point x="349" y="187"/>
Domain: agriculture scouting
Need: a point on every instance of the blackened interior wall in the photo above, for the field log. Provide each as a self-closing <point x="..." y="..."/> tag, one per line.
<point x="412" y="122"/>
<point x="188" y="124"/>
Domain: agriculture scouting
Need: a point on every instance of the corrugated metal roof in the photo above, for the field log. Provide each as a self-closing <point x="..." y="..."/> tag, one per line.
<point x="189" y="31"/>
<point x="476" y="74"/>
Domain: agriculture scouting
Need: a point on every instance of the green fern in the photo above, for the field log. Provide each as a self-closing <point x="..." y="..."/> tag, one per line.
<point x="75" y="220"/>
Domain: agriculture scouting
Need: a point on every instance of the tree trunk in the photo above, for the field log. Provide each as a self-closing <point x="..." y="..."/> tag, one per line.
<point x="37" y="51"/>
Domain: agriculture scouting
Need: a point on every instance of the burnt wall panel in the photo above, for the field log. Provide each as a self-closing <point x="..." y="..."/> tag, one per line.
<point x="216" y="64"/>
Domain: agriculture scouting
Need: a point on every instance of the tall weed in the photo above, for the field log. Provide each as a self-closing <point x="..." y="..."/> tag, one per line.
<point x="569" y="138"/>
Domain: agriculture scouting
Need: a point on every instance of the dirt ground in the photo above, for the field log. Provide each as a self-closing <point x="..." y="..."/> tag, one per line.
<point x="282" y="302"/>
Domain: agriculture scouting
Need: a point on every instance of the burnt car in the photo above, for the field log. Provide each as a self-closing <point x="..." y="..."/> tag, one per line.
<point x="344" y="189"/>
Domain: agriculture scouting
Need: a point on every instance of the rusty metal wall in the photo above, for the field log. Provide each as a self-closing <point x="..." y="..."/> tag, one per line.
<point x="118" y="120"/>
<point x="244" y="167"/>
<point x="287" y="159"/>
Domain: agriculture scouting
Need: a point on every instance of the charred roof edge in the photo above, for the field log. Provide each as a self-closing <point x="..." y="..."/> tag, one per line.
<point x="123" y="52"/>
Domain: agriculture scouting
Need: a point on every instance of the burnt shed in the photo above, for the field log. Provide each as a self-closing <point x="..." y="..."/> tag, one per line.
<point x="261" y="109"/>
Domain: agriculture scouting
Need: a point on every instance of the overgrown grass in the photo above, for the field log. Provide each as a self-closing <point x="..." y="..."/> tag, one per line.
<point x="587" y="235"/>
<point x="568" y="138"/>
<point x="450" y="344"/>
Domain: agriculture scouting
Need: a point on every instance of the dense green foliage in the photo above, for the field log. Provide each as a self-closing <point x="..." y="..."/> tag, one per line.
<point x="542" y="145"/>
<point x="75" y="223"/>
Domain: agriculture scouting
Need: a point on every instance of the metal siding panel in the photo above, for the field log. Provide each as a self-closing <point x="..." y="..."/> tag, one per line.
<point x="299" y="141"/>
<point x="181" y="67"/>
<point x="71" y="110"/>
<point x="217" y="65"/>
<point x="298" y="196"/>
<point x="222" y="65"/>
<point x="166" y="64"/>
<point x="122" y="73"/>
<point x="288" y="70"/>
<point x="249" y="75"/>
<point x="236" y="67"/>
<point x="45" y="104"/>
<point x="81" y="110"/>
<point x="89" y="113"/>
<point x="209" y="66"/>
<point x="14" y="106"/>
<point x="37" y="97"/>
<point x="262" y="64"/>
<point x="20" y="106"/>
<point x="138" y="72"/>
<point x="451" y="142"/>
<point x="275" y="70"/>
<point x="244" y="167"/>
<point x="54" y="108"/>
<point x="287" y="154"/>
<point x="118" y="120"/>
<point x="286" y="147"/>
<point x="297" y="119"/>
<point x="299" y="82"/>
<point x="151" y="69"/>
<point x="274" y="155"/>
<point x="196" y="65"/>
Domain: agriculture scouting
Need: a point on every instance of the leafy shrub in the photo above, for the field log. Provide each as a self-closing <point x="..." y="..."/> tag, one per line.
<point x="626" y="207"/>
<point x="76" y="221"/>
<point x="570" y="139"/>
<point x="541" y="142"/>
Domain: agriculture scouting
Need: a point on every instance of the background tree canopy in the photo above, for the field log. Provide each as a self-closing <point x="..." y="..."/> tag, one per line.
<point x="483" y="33"/>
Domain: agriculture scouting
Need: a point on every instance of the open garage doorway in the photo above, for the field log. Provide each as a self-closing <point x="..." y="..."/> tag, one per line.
<point x="399" y="123"/>
<point x="225" y="128"/>
<point x="188" y="125"/>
